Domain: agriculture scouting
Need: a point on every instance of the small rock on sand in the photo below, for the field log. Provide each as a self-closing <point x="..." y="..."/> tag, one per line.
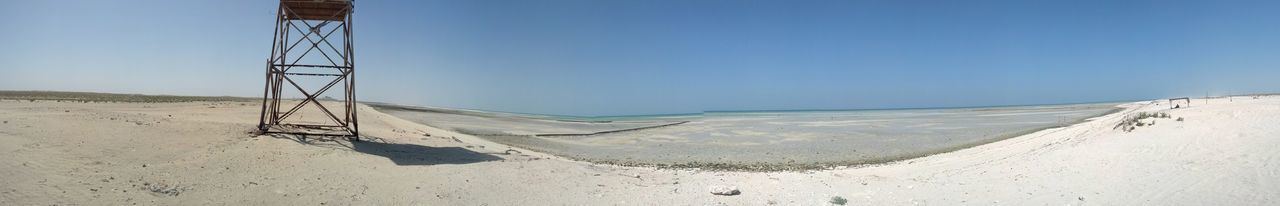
<point x="725" y="190"/>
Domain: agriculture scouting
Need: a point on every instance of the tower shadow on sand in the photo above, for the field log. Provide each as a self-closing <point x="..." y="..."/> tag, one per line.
<point x="400" y="154"/>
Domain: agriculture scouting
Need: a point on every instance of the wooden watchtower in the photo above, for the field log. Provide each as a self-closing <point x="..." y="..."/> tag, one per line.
<point x="312" y="43"/>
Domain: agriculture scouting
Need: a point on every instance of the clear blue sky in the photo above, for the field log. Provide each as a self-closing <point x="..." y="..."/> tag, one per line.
<point x="642" y="57"/>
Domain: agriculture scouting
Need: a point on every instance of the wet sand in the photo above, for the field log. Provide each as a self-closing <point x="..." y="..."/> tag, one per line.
<point x="484" y="123"/>
<point x="763" y="141"/>
<point x="201" y="153"/>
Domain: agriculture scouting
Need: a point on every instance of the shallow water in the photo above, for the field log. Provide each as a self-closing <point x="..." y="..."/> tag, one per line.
<point x="767" y="140"/>
<point x="482" y="123"/>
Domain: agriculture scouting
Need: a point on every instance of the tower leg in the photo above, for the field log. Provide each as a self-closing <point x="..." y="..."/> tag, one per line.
<point x="304" y="28"/>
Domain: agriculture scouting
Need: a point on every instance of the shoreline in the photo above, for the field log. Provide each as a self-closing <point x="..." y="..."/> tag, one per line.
<point x="818" y="166"/>
<point x="712" y="166"/>
<point x="532" y="142"/>
<point x="187" y="153"/>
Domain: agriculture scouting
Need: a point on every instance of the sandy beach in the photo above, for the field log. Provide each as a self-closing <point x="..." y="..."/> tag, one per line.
<point x="1221" y="152"/>
<point x="666" y="102"/>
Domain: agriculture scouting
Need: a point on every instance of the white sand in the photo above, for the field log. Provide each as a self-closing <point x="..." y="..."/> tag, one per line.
<point x="1224" y="153"/>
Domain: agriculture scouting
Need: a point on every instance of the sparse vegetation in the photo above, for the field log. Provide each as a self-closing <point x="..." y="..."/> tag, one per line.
<point x="1133" y="121"/>
<point x="837" y="200"/>
<point x="32" y="96"/>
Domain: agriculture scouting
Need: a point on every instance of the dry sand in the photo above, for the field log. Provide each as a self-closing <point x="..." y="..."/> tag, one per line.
<point x="1223" y="153"/>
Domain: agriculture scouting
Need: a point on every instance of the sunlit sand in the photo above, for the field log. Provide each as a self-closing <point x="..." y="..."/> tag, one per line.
<point x="180" y="153"/>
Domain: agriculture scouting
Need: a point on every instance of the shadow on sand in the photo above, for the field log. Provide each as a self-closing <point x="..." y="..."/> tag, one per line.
<point x="400" y="154"/>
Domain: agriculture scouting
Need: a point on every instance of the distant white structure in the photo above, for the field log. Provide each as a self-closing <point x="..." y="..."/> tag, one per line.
<point x="1183" y="102"/>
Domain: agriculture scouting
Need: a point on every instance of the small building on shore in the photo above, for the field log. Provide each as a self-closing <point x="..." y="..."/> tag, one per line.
<point x="1182" y="102"/>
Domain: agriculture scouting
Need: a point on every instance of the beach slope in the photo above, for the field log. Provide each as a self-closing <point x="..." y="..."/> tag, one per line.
<point x="1224" y="152"/>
